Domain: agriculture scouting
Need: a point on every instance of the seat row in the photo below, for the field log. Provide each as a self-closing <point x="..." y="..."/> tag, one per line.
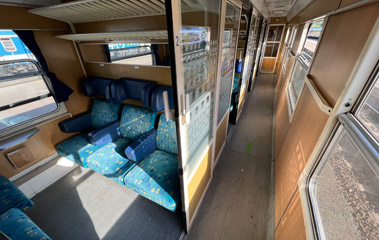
<point x="129" y="144"/>
<point x="14" y="224"/>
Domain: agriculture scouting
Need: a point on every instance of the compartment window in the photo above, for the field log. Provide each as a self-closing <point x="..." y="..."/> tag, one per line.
<point x="346" y="181"/>
<point x="24" y="87"/>
<point x="131" y="53"/>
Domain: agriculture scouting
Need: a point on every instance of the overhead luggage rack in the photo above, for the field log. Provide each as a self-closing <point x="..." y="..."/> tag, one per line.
<point x="84" y="11"/>
<point x="158" y="36"/>
<point x="101" y="10"/>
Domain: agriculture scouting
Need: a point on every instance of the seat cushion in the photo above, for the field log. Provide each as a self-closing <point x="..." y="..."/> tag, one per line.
<point x="135" y="121"/>
<point x="104" y="112"/>
<point x="156" y="178"/>
<point x="77" y="149"/>
<point x="12" y="197"/>
<point x="166" y="136"/>
<point x="17" y="226"/>
<point x="110" y="160"/>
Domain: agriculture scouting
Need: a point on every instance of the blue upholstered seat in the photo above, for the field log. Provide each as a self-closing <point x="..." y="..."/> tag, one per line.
<point x="78" y="148"/>
<point x="12" y="197"/>
<point x="156" y="177"/>
<point x="17" y="226"/>
<point x="110" y="160"/>
<point x="135" y="121"/>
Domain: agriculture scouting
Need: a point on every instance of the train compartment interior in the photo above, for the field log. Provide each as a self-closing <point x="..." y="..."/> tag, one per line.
<point x="189" y="119"/>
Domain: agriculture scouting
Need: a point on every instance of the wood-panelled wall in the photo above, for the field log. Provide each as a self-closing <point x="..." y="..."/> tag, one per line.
<point x="300" y="139"/>
<point x="340" y="48"/>
<point x="62" y="60"/>
<point x="316" y="9"/>
<point x="161" y="74"/>
<point x="344" y="37"/>
<point x="19" y="18"/>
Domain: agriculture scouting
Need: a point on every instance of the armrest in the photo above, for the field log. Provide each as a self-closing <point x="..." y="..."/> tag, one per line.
<point x="106" y="134"/>
<point x="77" y="123"/>
<point x="142" y="147"/>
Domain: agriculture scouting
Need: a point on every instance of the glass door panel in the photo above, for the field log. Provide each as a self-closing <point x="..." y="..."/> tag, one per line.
<point x="194" y="42"/>
<point x="199" y="43"/>
<point x="249" y="58"/>
<point x="232" y="21"/>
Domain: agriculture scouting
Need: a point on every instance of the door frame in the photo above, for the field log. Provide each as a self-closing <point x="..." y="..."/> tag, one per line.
<point x="238" y="4"/>
<point x="174" y="23"/>
<point x="265" y="45"/>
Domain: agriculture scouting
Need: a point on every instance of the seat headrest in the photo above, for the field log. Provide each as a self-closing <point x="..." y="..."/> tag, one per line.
<point x="157" y="103"/>
<point x="135" y="89"/>
<point x="95" y="86"/>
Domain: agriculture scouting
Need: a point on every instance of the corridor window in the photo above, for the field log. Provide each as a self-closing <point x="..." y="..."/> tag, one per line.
<point x="344" y="192"/>
<point x="368" y="112"/>
<point x="344" y="188"/>
<point x="131" y="53"/>
<point x="313" y="37"/>
<point x="295" y="85"/>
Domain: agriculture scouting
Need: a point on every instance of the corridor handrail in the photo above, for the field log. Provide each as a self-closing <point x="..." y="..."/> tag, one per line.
<point x="320" y="100"/>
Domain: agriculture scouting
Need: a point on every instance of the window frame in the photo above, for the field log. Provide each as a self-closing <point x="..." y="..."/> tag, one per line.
<point x="366" y="65"/>
<point x="289" y="45"/>
<point x="304" y="59"/>
<point x="37" y="121"/>
<point x="360" y="137"/>
<point x="292" y="109"/>
<point x="131" y="57"/>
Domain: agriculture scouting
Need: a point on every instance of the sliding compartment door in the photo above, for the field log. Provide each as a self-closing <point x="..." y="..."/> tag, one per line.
<point x="194" y="42"/>
<point x="224" y="90"/>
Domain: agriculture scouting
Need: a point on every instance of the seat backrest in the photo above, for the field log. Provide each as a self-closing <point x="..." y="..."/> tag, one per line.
<point x="136" y="89"/>
<point x="95" y="86"/>
<point x="136" y="121"/>
<point x="157" y="103"/>
<point x="104" y="112"/>
<point x="166" y="136"/>
<point x="12" y="197"/>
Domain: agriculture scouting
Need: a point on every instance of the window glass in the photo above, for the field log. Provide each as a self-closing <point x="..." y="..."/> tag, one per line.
<point x="24" y="93"/>
<point x="368" y="113"/>
<point x="296" y="84"/>
<point x="271" y="49"/>
<point x="344" y="192"/>
<point x="274" y="33"/>
<point x="131" y="53"/>
<point x="287" y="35"/>
<point x="313" y="37"/>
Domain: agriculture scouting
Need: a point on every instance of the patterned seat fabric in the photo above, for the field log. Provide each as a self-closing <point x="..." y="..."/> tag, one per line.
<point x="12" y="197"/>
<point x="104" y="112"/>
<point x="166" y="136"/>
<point x="156" y="177"/>
<point x="110" y="160"/>
<point x="17" y="226"/>
<point x="135" y="121"/>
<point x="78" y="148"/>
